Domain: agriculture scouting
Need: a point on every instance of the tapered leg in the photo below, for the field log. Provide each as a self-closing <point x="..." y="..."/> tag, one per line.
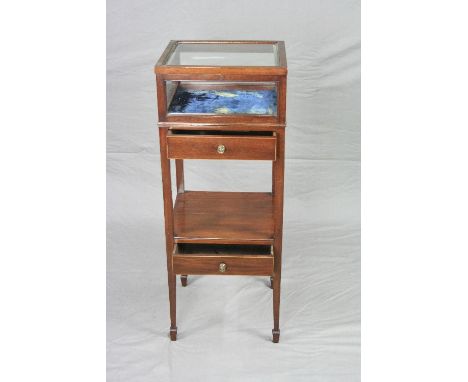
<point x="271" y="282"/>
<point x="172" y="305"/>
<point x="169" y="228"/>
<point x="278" y="190"/>
<point x="183" y="280"/>
<point x="276" y="306"/>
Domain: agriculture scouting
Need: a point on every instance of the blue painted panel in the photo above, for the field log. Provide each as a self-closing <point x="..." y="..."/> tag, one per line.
<point x="224" y="102"/>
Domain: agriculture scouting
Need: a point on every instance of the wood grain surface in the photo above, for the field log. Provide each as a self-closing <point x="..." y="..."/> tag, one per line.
<point x="223" y="217"/>
<point x="236" y="147"/>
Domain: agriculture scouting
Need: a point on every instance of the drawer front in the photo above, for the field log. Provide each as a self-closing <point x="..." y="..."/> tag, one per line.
<point x="223" y="265"/>
<point x="221" y="147"/>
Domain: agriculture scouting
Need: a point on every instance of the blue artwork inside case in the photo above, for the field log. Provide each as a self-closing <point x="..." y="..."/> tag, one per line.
<point x="195" y="101"/>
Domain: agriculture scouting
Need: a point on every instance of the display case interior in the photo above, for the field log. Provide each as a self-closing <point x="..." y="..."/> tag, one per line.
<point x="195" y="97"/>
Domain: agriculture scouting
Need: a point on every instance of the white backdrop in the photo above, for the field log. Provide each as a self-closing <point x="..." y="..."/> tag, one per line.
<point x="225" y="323"/>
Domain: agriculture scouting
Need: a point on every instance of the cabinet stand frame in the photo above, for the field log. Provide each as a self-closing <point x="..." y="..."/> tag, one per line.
<point x="239" y="246"/>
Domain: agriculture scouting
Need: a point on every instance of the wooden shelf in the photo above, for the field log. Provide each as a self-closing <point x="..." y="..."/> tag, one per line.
<point x="224" y="217"/>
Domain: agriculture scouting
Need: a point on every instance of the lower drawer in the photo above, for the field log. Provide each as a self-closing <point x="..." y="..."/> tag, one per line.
<point x="222" y="260"/>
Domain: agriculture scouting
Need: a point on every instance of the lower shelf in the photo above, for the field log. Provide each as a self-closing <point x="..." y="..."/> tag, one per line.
<point x="224" y="217"/>
<point x="219" y="259"/>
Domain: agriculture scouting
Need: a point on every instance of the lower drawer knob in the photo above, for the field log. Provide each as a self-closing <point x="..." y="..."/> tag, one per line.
<point x="221" y="149"/>
<point x="222" y="267"/>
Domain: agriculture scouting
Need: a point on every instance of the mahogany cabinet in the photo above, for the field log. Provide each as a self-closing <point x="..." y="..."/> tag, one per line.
<point x="222" y="100"/>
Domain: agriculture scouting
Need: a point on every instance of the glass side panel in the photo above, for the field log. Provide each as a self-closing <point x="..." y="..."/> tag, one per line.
<point x="237" y="54"/>
<point x="188" y="97"/>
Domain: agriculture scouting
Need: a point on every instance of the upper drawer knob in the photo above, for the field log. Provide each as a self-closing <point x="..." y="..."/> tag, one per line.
<point x="222" y="267"/>
<point x="221" y="149"/>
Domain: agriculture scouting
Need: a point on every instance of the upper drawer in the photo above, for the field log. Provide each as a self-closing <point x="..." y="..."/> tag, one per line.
<point x="181" y="146"/>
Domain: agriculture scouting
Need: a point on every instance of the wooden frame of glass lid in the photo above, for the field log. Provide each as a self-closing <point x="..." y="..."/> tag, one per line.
<point x="222" y="68"/>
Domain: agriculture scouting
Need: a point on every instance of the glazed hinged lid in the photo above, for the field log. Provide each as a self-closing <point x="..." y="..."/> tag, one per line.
<point x="212" y="56"/>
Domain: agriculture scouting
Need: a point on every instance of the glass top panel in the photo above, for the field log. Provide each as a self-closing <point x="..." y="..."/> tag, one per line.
<point x="233" y="54"/>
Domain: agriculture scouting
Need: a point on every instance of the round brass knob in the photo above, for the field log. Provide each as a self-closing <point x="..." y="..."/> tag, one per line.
<point x="221" y="149"/>
<point x="222" y="267"/>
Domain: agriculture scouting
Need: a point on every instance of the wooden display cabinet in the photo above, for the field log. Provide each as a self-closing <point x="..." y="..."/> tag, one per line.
<point x="222" y="100"/>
